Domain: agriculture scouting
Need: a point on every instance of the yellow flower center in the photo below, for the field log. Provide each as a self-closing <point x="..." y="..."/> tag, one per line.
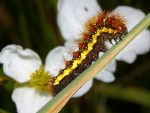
<point x="41" y="80"/>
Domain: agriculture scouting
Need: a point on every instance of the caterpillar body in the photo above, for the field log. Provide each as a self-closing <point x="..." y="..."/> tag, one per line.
<point x="105" y="26"/>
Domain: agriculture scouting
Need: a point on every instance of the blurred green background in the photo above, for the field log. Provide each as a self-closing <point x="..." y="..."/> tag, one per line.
<point x="32" y="24"/>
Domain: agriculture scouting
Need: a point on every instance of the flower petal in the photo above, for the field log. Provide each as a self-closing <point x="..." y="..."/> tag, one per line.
<point x="18" y="63"/>
<point x="141" y="44"/>
<point x="111" y="66"/>
<point x="55" y="60"/>
<point x="127" y="56"/>
<point x="28" y="100"/>
<point x="75" y="13"/>
<point x="84" y="89"/>
<point x="106" y="75"/>
<point x="72" y="45"/>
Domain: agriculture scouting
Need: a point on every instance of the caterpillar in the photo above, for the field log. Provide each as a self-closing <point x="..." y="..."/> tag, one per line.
<point x="105" y="26"/>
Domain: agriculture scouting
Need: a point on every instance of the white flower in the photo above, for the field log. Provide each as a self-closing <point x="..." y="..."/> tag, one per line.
<point x="72" y="14"/>
<point x="20" y="64"/>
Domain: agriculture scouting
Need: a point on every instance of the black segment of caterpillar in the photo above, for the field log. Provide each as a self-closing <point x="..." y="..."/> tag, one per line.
<point x="106" y="27"/>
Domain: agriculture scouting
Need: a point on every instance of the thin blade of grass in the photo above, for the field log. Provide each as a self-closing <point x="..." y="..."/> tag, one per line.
<point x="58" y="102"/>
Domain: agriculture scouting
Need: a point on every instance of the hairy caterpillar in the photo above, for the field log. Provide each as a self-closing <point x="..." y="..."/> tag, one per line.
<point x="105" y="26"/>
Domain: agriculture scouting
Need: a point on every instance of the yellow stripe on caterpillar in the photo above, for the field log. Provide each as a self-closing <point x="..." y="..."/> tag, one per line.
<point x="84" y="53"/>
